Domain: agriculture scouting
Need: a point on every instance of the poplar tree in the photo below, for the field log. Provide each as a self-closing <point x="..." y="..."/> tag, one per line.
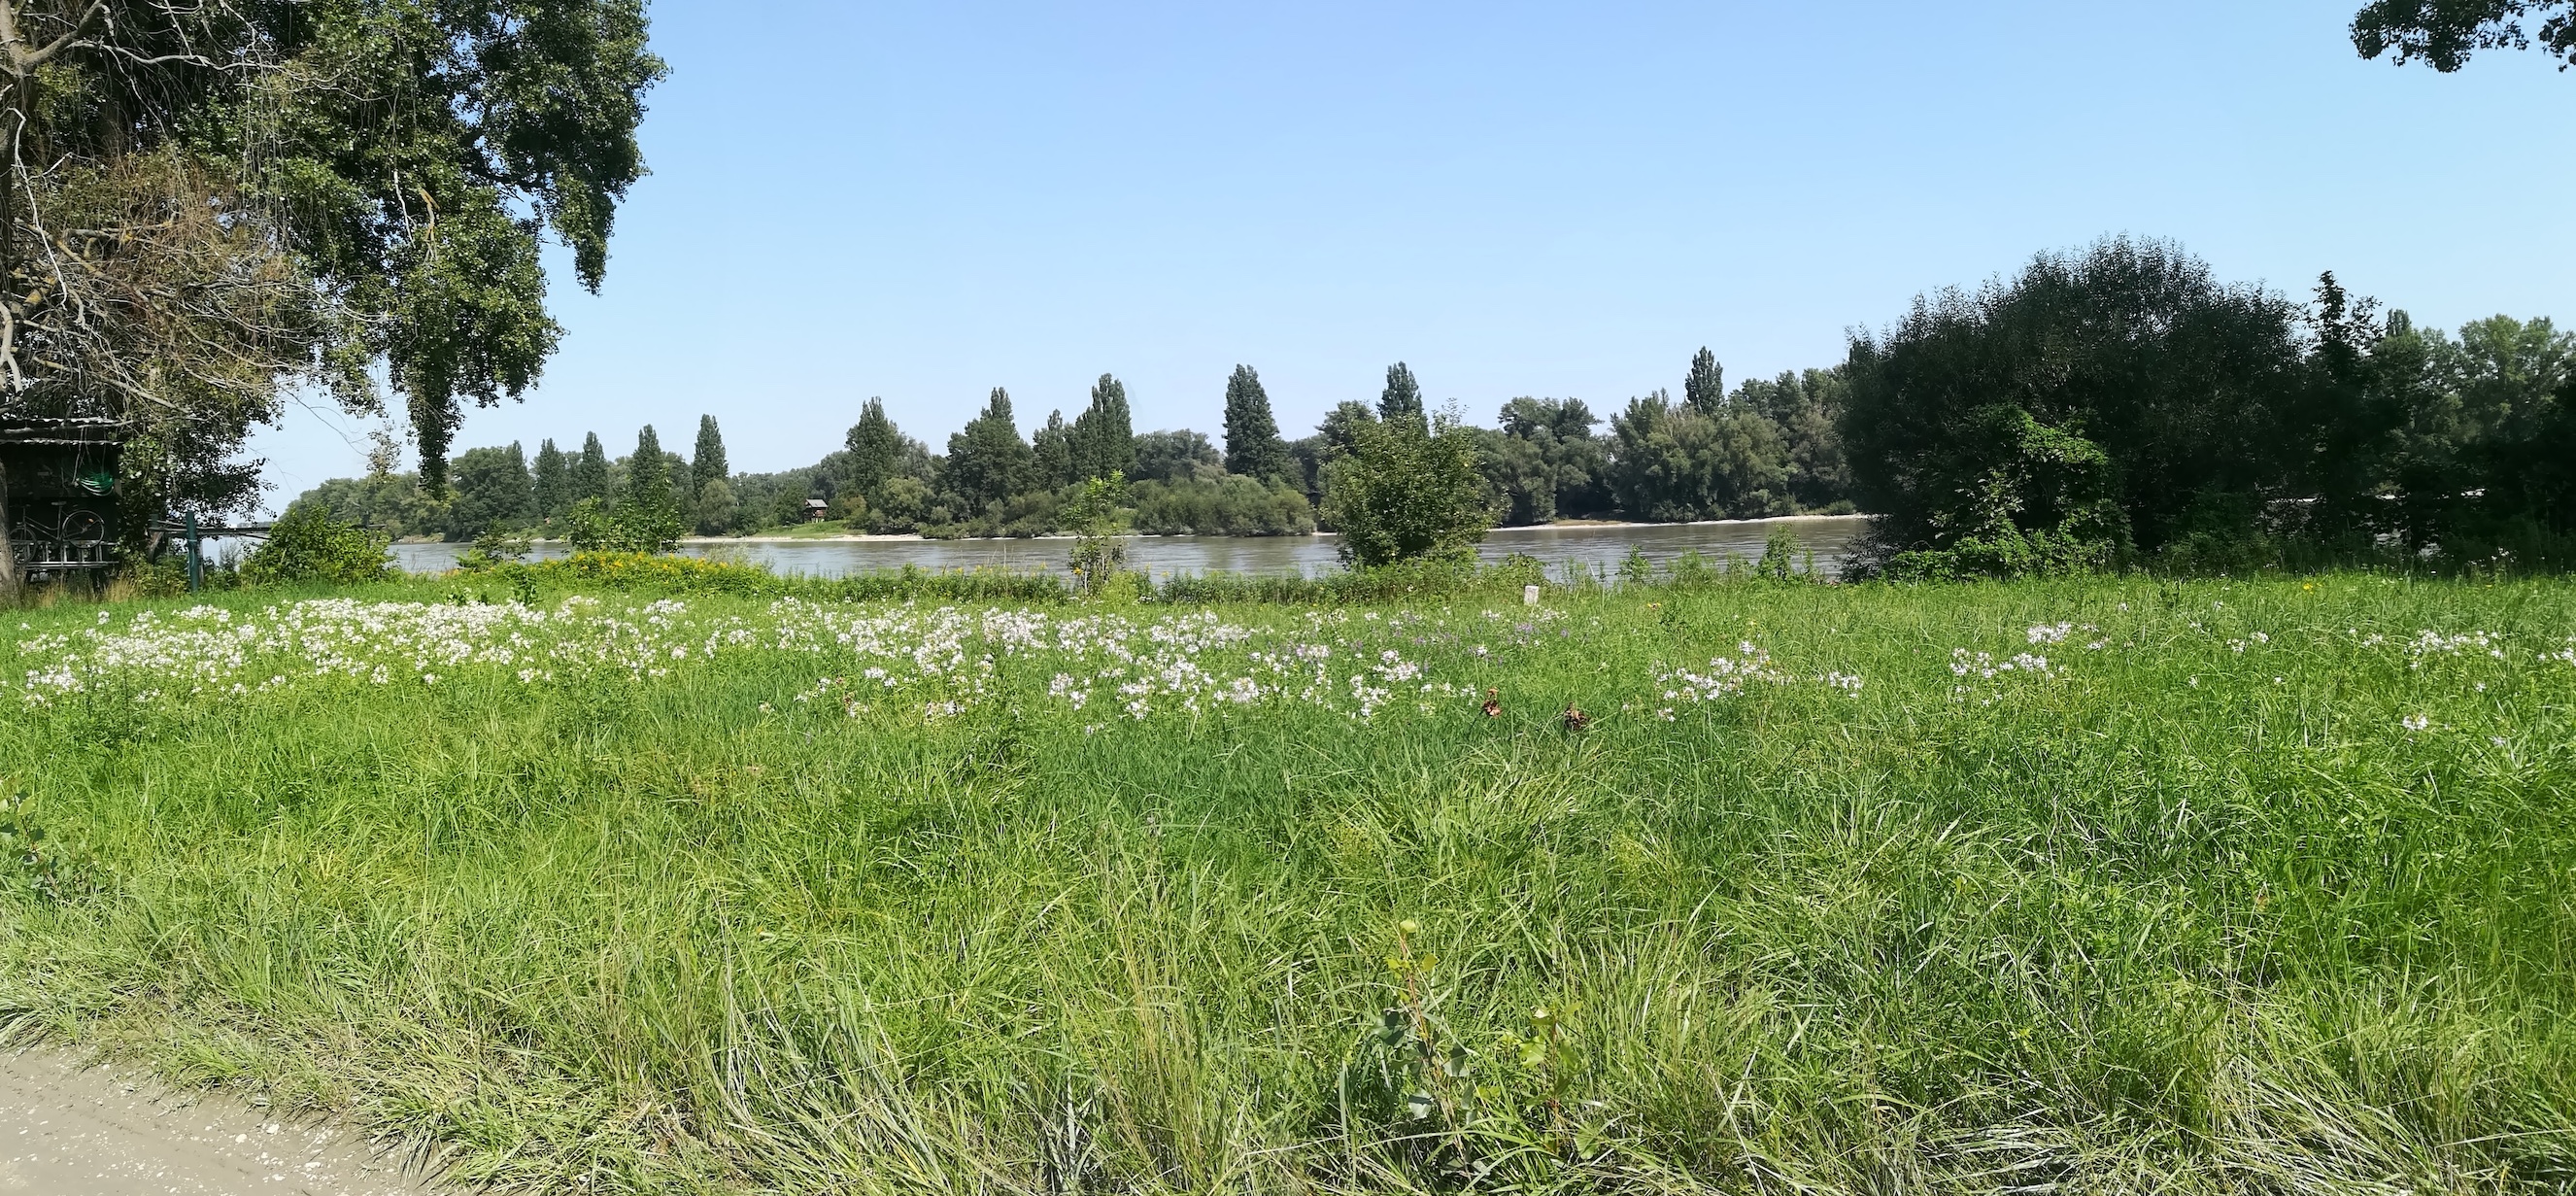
<point x="590" y="471"/>
<point x="1253" y="448"/>
<point x="1052" y="447"/>
<point x="1104" y="438"/>
<point x="876" y="450"/>
<point x="987" y="460"/>
<point x="651" y="510"/>
<point x="1403" y="397"/>
<point x="707" y="463"/>
<point x="1705" y="388"/>
<point x="554" y="480"/>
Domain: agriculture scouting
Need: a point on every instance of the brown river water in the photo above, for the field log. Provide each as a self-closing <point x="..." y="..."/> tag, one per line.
<point x="1593" y="548"/>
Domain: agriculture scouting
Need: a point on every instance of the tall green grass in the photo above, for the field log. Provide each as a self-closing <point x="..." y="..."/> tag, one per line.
<point x="2196" y="911"/>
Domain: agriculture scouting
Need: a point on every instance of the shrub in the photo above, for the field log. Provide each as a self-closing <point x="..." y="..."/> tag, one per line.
<point x="1099" y="555"/>
<point x="1230" y="506"/>
<point x="308" y="545"/>
<point x="1408" y="492"/>
<point x="594" y="526"/>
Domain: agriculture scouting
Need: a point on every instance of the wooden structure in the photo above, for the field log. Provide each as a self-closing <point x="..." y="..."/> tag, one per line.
<point x="58" y="494"/>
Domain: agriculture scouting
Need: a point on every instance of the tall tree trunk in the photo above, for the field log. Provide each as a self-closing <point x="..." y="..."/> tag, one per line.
<point x="13" y="126"/>
<point x="8" y="557"/>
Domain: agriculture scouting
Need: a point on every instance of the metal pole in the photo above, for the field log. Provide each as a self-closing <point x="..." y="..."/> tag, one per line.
<point x="196" y="557"/>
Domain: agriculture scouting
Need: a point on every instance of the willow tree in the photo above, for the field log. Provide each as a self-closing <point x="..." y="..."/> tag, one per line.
<point x="209" y="203"/>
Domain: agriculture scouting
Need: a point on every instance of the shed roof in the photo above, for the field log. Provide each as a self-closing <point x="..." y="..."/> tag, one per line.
<point x="56" y="432"/>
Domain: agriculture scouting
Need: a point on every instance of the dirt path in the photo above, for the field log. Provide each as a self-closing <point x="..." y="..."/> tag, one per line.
<point x="66" y="1131"/>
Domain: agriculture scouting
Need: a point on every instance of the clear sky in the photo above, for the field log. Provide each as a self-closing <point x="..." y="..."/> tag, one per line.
<point x="923" y="201"/>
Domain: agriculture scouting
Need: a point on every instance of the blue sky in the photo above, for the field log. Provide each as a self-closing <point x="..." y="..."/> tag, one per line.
<point x="923" y="201"/>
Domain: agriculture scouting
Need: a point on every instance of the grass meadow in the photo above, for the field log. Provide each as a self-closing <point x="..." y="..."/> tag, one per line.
<point x="2110" y="885"/>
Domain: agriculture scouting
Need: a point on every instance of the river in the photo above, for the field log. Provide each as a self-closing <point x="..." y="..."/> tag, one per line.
<point x="1596" y="547"/>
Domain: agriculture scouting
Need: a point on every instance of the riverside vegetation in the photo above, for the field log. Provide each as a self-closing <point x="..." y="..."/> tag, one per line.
<point x="634" y="883"/>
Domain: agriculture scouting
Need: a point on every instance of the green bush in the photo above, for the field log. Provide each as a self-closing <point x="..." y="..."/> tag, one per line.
<point x="594" y="526"/>
<point x="308" y="545"/>
<point x="1409" y="491"/>
<point x="1230" y="506"/>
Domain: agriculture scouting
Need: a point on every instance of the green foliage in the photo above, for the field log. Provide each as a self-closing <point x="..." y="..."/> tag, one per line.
<point x="494" y="549"/>
<point x="1544" y="463"/>
<point x="1673" y="463"/>
<point x="648" y="510"/>
<point x="1051" y="453"/>
<point x="594" y="526"/>
<point x="393" y="504"/>
<point x="1780" y="552"/>
<point x="1253" y="448"/>
<point x="707" y="459"/>
<point x="307" y="545"/>
<point x="900" y="506"/>
<point x="2444" y="33"/>
<point x="987" y="460"/>
<point x="876" y="451"/>
<point x="1807" y="407"/>
<point x="1232" y="505"/>
<point x="1409" y="491"/>
<point x="1964" y="421"/>
<point x="1425" y="577"/>
<point x="1103" y="438"/>
<point x="491" y="489"/>
<point x="1635" y="568"/>
<point x="2477" y="430"/>
<point x="285" y="194"/>
<point x="1092" y="514"/>
<point x="2047" y="507"/>
<point x="652" y="573"/>
<point x="1402" y="399"/>
<point x="551" y="487"/>
<point x="1705" y="387"/>
<point x="589" y="472"/>
<point x="40" y="866"/>
<point x="1176" y="457"/>
<point x="718" y="509"/>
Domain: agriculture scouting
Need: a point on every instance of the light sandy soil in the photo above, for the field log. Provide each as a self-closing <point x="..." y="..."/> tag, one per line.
<point x="102" y="1131"/>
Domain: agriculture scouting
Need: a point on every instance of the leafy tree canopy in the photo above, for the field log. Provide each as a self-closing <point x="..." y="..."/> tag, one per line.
<point x="1104" y="436"/>
<point x="1409" y="491"/>
<point x="1252" y="445"/>
<point x="2444" y="33"/>
<point x="552" y="486"/>
<point x="589" y="471"/>
<point x="1402" y="398"/>
<point x="1177" y="456"/>
<point x="2193" y="389"/>
<point x="875" y="448"/>
<point x="987" y="460"/>
<point x="207" y="201"/>
<point x="1705" y="388"/>
<point x="707" y="460"/>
